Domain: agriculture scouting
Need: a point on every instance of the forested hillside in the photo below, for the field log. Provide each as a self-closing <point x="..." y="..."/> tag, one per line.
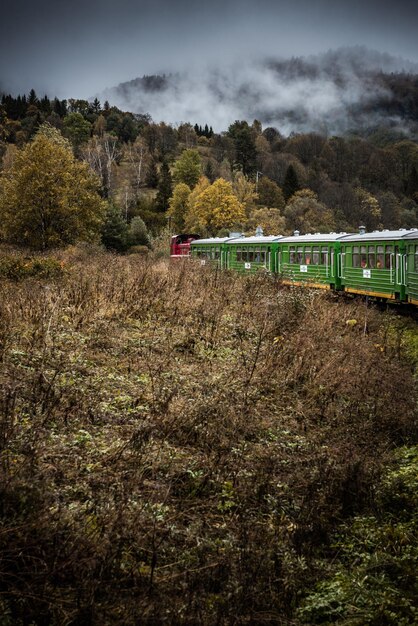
<point x="176" y="176"/>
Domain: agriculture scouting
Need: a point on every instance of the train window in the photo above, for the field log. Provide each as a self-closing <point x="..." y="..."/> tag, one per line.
<point x="389" y="252"/>
<point x="256" y="255"/>
<point x="263" y="256"/>
<point x="380" y="257"/>
<point x="250" y="255"/>
<point x="217" y="253"/>
<point x="239" y="254"/>
<point x="292" y="255"/>
<point x="416" y="259"/>
<point x="308" y="255"/>
<point x="371" y="257"/>
<point x="324" y="256"/>
<point x="315" y="256"/>
<point x="363" y="256"/>
<point x="299" y="256"/>
<point x="356" y="256"/>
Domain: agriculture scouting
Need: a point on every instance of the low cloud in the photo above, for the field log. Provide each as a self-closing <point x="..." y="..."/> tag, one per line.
<point x="333" y="92"/>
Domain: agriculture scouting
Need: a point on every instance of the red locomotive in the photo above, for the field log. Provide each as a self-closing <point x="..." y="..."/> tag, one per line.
<point x="180" y="245"/>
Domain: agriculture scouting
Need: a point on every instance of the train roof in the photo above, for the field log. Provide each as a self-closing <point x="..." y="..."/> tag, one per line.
<point x="412" y="234"/>
<point x="256" y="239"/>
<point x="382" y="235"/>
<point x="213" y="240"/>
<point x="314" y="238"/>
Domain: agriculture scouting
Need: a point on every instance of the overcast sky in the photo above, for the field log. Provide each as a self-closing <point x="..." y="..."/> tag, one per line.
<point x="77" y="48"/>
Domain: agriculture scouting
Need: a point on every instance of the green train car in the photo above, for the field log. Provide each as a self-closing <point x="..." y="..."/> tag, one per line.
<point x="374" y="264"/>
<point x="310" y="260"/>
<point x="246" y="254"/>
<point x="411" y="265"/>
<point x="210" y="251"/>
<point x="252" y="254"/>
<point x="381" y="264"/>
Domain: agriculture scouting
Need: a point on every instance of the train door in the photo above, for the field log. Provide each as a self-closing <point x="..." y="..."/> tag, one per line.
<point x="400" y="272"/>
<point x="279" y="261"/>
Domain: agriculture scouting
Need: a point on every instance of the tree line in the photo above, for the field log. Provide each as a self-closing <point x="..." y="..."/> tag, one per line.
<point x="190" y="177"/>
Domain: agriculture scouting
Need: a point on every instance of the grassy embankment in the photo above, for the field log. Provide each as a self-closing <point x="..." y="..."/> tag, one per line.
<point x="181" y="446"/>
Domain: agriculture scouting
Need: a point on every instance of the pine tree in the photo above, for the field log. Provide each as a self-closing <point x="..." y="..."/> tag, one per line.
<point x="33" y="99"/>
<point x="138" y="233"/>
<point x="210" y="171"/>
<point x="412" y="182"/>
<point x="165" y="188"/>
<point x="115" y="230"/>
<point x="291" y="183"/>
<point x="151" y="178"/>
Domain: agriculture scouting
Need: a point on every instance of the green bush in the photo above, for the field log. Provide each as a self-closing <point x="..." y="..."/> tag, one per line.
<point x="375" y="578"/>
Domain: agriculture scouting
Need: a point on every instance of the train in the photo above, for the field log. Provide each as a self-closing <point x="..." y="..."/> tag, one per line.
<point x="382" y="264"/>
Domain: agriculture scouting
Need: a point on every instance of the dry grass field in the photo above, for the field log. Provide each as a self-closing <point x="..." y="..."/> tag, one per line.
<point x="178" y="445"/>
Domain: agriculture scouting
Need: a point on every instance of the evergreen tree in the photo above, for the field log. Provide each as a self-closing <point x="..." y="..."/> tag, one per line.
<point x="245" y="149"/>
<point x="151" y="178"/>
<point x="291" y="183"/>
<point x="77" y="129"/>
<point x="115" y="230"/>
<point x="412" y="183"/>
<point x="210" y="171"/>
<point x="32" y="99"/>
<point x="60" y="107"/>
<point x="45" y="105"/>
<point x="96" y="106"/>
<point x="138" y="233"/>
<point x="165" y="188"/>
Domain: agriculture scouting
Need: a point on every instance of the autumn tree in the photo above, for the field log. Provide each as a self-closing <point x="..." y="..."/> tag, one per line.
<point x="187" y="135"/>
<point x="366" y="210"/>
<point x="245" y="191"/>
<point x="271" y="221"/>
<point x="178" y="206"/>
<point x="306" y="214"/>
<point x="47" y="197"/>
<point x="215" y="208"/>
<point x="270" y="194"/>
<point x="187" y="169"/>
<point x="101" y="153"/>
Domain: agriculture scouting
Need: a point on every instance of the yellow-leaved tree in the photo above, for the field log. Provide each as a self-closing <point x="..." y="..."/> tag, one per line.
<point x="215" y="208"/>
<point x="305" y="213"/>
<point x="271" y="221"/>
<point x="47" y="197"/>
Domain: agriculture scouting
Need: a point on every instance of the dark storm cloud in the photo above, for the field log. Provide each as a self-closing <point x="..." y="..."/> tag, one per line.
<point x="79" y="48"/>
